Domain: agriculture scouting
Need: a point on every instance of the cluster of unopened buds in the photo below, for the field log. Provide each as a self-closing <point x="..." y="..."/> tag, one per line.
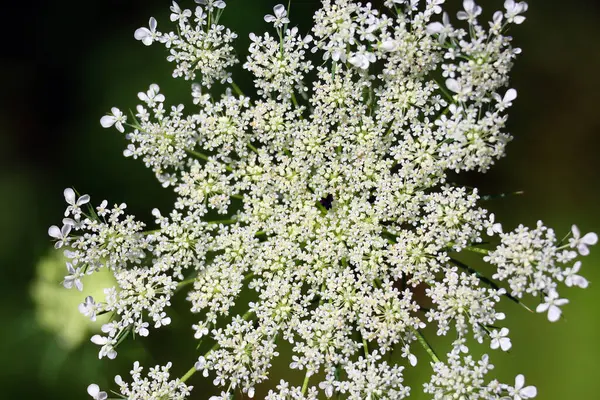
<point x="330" y="200"/>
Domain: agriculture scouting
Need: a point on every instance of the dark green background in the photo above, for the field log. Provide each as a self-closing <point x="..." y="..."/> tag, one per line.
<point x="64" y="64"/>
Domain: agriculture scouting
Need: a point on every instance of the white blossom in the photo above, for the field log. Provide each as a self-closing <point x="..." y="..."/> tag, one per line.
<point x="581" y="243"/>
<point x="500" y="339"/>
<point x="94" y="391"/>
<point x="471" y="11"/>
<point x="520" y="391"/>
<point x="280" y="18"/>
<point x="147" y="36"/>
<point x="116" y="118"/>
<point x="513" y="11"/>
<point x="552" y="304"/>
<point x="572" y="279"/>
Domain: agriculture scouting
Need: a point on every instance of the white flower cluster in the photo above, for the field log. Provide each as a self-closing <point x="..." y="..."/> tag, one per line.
<point x="463" y="378"/>
<point x="201" y="45"/>
<point x="156" y="386"/>
<point x="279" y="67"/>
<point x="337" y="209"/>
<point x="530" y="261"/>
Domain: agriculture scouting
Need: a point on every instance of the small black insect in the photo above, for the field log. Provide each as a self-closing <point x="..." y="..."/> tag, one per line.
<point x="326" y="201"/>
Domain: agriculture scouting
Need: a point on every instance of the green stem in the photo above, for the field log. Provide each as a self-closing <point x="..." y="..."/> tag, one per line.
<point x="321" y="207"/>
<point x="223" y="221"/>
<point x="193" y="370"/>
<point x="294" y="100"/>
<point x="204" y="157"/>
<point x="188" y="374"/>
<point x="426" y="346"/>
<point x="184" y="283"/>
<point x="251" y="147"/>
<point x="305" y="383"/>
<point x="445" y="92"/>
<point x="237" y="89"/>
<point x="477" y="250"/>
<point x="488" y="281"/>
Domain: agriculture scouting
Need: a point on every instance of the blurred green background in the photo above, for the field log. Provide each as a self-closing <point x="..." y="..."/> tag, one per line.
<point x="64" y="64"/>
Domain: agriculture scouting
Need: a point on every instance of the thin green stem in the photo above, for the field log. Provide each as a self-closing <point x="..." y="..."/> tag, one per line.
<point x="445" y="92"/>
<point x="294" y="100"/>
<point x="321" y="207"/>
<point x="488" y="281"/>
<point x="251" y="147"/>
<point x="222" y="221"/>
<point x="193" y="370"/>
<point x="237" y="89"/>
<point x="477" y="250"/>
<point x="184" y="283"/>
<point x="305" y="383"/>
<point x="204" y="157"/>
<point x="426" y="345"/>
<point x="188" y="374"/>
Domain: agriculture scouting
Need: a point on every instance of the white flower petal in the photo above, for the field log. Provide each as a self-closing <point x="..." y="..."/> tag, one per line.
<point x="279" y="10"/>
<point x="542" y="307"/>
<point x="554" y="313"/>
<point x="529" y="392"/>
<point x="107" y="121"/>
<point x="69" y="196"/>
<point x="590" y="239"/>
<point x="55" y="232"/>
<point x="93" y="390"/>
<point x="519" y="381"/>
<point x="510" y="95"/>
<point x="453" y="85"/>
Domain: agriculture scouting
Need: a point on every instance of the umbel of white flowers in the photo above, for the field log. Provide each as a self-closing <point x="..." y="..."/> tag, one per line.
<point x="337" y="207"/>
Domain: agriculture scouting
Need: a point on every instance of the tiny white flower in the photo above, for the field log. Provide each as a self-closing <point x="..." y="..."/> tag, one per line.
<point x="362" y="58"/>
<point x="495" y="227"/>
<point x="72" y="201"/>
<point x="280" y="18"/>
<point x="327" y="387"/>
<point x="201" y="330"/>
<point x="74" y="278"/>
<point x="147" y="36"/>
<point x="388" y="45"/>
<point x="179" y="15"/>
<point x="506" y="101"/>
<point x="500" y="339"/>
<point x="513" y="9"/>
<point x="582" y="243"/>
<point x="99" y="340"/>
<point x="443" y="28"/>
<point x="142" y="329"/>
<point x="497" y="19"/>
<point x="201" y="365"/>
<point x="101" y="209"/>
<point x="552" y="305"/>
<point x="461" y="92"/>
<point x="60" y="234"/>
<point x="436" y="5"/>
<point x="152" y="96"/>
<point x="572" y="279"/>
<point x="472" y="11"/>
<point x="88" y="308"/>
<point x="116" y="118"/>
<point x="210" y="4"/>
<point x="94" y="391"/>
<point x="520" y="391"/>
<point x="163" y="320"/>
